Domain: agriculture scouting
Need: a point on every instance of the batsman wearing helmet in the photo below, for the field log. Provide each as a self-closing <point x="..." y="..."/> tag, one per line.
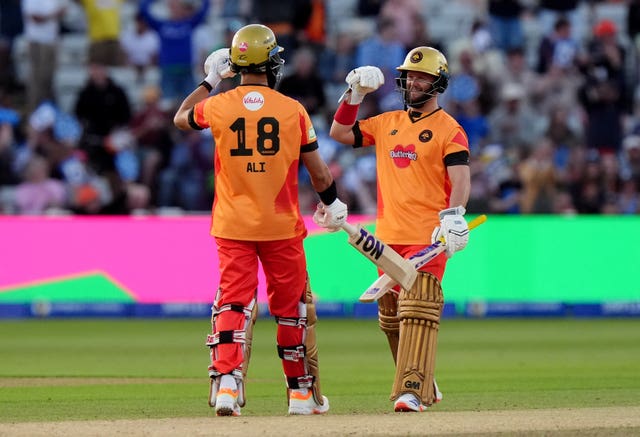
<point x="260" y="138"/>
<point x="422" y="162"/>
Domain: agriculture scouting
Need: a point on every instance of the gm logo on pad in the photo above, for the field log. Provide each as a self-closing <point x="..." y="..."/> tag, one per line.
<point x="414" y="385"/>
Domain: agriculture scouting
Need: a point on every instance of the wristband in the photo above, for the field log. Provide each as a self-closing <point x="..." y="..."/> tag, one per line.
<point x="346" y="113"/>
<point x="206" y="84"/>
<point x="329" y="195"/>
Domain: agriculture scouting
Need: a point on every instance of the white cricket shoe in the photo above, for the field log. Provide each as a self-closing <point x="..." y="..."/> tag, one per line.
<point x="227" y="402"/>
<point x="409" y="403"/>
<point x="227" y="397"/>
<point x="301" y="402"/>
<point x="438" y="392"/>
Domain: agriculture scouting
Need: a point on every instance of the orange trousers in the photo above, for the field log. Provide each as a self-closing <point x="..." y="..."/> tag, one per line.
<point x="285" y="268"/>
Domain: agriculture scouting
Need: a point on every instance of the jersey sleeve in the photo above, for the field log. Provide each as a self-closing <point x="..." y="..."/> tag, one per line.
<point x="364" y="132"/>
<point x="308" y="137"/>
<point x="198" y="115"/>
<point x="458" y="142"/>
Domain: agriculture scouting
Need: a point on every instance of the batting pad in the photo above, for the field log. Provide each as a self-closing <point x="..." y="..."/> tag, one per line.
<point x="419" y="310"/>
<point x="389" y="321"/>
<point x="243" y="336"/>
<point x="311" y="345"/>
<point x="247" y="349"/>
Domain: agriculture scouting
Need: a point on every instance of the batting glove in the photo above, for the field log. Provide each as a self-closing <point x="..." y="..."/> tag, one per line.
<point x="362" y="81"/>
<point x="453" y="228"/>
<point x="217" y="67"/>
<point x="331" y="217"/>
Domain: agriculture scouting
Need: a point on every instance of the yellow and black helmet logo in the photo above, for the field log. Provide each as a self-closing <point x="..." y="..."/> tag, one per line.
<point x="416" y="57"/>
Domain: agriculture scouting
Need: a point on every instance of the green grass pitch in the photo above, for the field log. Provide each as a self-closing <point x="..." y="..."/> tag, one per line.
<point x="54" y="370"/>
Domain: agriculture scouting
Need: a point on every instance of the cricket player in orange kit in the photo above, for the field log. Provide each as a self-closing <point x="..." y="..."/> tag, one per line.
<point x="260" y="137"/>
<point x="423" y="183"/>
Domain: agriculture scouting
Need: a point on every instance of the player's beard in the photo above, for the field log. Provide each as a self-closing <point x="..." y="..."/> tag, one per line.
<point x="417" y="98"/>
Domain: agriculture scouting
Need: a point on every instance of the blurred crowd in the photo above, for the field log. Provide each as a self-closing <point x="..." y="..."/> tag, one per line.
<point x="547" y="91"/>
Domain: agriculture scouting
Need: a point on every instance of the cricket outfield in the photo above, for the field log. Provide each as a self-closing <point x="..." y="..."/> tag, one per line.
<point x="541" y="376"/>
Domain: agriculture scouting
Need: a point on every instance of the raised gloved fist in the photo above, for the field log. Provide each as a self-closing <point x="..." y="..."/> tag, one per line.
<point x="453" y="228"/>
<point x="362" y="81"/>
<point x="217" y="67"/>
<point x="331" y="217"/>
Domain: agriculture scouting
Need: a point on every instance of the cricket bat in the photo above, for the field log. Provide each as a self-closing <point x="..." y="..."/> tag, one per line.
<point x="385" y="282"/>
<point x="388" y="260"/>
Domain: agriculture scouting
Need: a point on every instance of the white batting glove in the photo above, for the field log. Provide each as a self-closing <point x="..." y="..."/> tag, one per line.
<point x="331" y="217"/>
<point x="217" y="67"/>
<point x="362" y="81"/>
<point x="453" y="228"/>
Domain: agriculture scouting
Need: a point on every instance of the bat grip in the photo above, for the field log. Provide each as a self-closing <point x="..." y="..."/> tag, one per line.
<point x="471" y="225"/>
<point x="349" y="228"/>
<point x="352" y="230"/>
<point x="477" y="221"/>
<point x="344" y="95"/>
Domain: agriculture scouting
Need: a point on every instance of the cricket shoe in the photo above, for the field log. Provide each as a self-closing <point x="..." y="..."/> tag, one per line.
<point x="227" y="402"/>
<point x="408" y="403"/>
<point x="438" y="392"/>
<point x="301" y="402"/>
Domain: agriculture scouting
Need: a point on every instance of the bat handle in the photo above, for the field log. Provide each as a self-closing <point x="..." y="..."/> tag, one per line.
<point x="472" y="225"/>
<point x="477" y="221"/>
<point x="344" y="95"/>
<point x="351" y="230"/>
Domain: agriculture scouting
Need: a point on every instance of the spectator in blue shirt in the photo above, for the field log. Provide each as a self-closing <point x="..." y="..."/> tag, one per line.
<point x="176" y="56"/>
<point x="385" y="51"/>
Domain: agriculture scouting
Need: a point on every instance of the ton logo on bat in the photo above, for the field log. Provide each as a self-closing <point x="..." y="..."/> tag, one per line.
<point x="370" y="244"/>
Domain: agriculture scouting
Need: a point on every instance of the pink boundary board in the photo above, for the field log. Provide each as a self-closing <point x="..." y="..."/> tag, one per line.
<point x="154" y="259"/>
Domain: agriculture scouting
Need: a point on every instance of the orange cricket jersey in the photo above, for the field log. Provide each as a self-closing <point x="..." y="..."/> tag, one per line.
<point x="413" y="185"/>
<point x="259" y="134"/>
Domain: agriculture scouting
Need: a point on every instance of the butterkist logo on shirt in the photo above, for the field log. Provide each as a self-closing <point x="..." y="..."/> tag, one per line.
<point x="402" y="156"/>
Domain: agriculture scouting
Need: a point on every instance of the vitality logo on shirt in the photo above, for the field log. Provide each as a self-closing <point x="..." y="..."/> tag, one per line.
<point x="253" y="101"/>
<point x="402" y="156"/>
